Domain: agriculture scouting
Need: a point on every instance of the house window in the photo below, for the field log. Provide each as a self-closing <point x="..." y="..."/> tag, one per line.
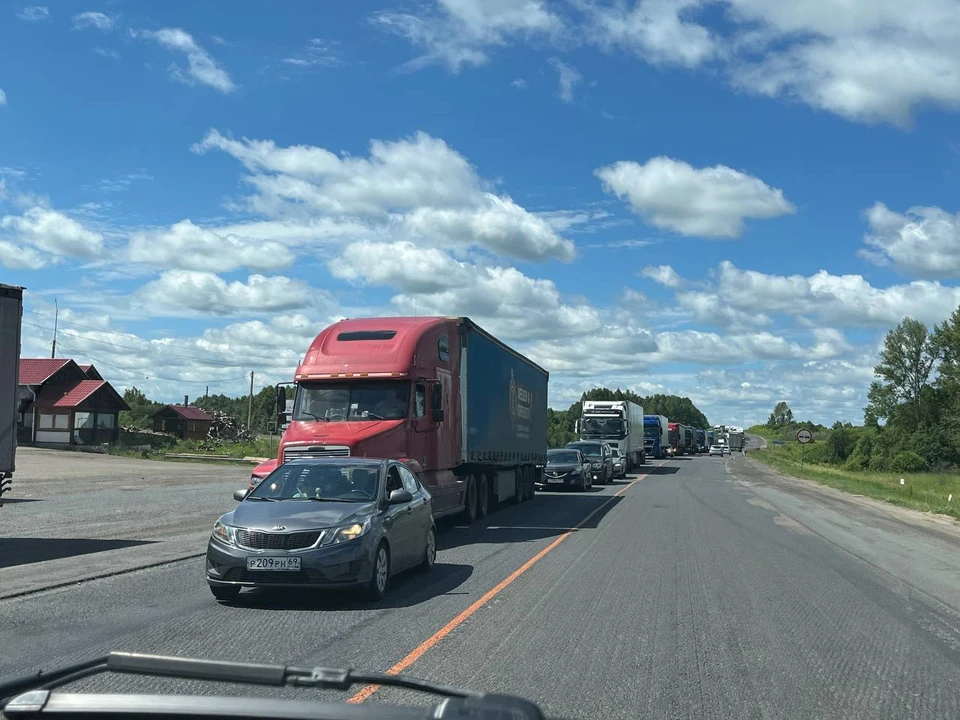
<point x="82" y="420"/>
<point x="106" y="422"/>
<point x="443" y="346"/>
<point x="51" y="421"/>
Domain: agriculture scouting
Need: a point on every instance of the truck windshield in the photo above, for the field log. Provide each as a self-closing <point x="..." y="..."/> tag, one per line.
<point x="602" y="427"/>
<point x="343" y="401"/>
<point x="651" y="432"/>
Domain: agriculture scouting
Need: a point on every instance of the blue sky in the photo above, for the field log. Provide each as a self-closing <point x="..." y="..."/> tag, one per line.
<point x="731" y="201"/>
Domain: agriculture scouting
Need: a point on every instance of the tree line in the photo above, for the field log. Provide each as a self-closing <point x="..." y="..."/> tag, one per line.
<point x="560" y="423"/>
<point x="912" y="419"/>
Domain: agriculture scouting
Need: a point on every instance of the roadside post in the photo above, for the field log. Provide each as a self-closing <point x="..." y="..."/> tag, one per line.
<point x="804" y="436"/>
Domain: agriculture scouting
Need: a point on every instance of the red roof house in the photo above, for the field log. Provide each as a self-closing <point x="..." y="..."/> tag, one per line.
<point x="63" y="403"/>
<point x="184" y="421"/>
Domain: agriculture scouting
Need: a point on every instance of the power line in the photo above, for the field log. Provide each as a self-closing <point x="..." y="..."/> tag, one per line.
<point x="87" y="355"/>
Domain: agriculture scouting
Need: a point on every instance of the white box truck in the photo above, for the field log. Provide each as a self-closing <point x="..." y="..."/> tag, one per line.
<point x="11" y="313"/>
<point x="619" y="423"/>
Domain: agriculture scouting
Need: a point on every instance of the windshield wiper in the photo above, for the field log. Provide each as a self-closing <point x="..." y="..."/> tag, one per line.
<point x="261" y="499"/>
<point x="323" y="499"/>
<point x="223" y="671"/>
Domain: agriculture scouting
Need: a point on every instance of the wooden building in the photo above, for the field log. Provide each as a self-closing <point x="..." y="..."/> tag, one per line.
<point x="184" y="421"/>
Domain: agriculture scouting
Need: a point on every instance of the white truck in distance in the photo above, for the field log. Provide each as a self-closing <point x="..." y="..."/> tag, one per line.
<point x="619" y="423"/>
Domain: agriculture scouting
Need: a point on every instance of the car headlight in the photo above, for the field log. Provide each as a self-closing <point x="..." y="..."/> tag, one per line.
<point x="226" y="534"/>
<point x="346" y="533"/>
<point x="254" y="481"/>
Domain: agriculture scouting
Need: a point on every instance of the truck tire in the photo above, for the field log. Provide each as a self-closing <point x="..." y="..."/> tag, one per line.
<point x="483" y="494"/>
<point x="470" y="501"/>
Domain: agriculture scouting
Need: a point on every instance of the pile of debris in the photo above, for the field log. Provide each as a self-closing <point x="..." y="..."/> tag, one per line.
<point x="225" y="429"/>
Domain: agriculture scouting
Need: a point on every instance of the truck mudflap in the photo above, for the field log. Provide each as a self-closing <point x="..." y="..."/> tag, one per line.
<point x="6" y="481"/>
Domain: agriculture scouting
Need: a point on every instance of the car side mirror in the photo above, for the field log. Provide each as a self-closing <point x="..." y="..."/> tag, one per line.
<point x="240" y="495"/>
<point x="399" y="496"/>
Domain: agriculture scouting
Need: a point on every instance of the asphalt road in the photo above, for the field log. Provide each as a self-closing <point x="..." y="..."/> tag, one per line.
<point x="707" y="588"/>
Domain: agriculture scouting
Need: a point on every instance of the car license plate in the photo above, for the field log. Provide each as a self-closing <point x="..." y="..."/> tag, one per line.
<point x="273" y="563"/>
<point x="554" y="480"/>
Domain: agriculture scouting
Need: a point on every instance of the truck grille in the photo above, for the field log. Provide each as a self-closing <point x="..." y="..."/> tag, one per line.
<point x="258" y="540"/>
<point x="292" y="452"/>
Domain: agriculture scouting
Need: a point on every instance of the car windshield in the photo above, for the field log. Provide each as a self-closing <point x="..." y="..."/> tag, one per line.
<point x="591" y="451"/>
<point x="320" y="481"/>
<point x="343" y="401"/>
<point x="561" y="456"/>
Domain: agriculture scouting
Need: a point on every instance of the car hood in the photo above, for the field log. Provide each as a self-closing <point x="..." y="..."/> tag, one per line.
<point x="562" y="467"/>
<point x="297" y="514"/>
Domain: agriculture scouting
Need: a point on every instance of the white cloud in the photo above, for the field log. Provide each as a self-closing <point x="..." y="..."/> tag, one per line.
<point x="201" y="67"/>
<point x="417" y="189"/>
<point x="924" y="241"/>
<point x="842" y="301"/>
<point x="185" y="292"/>
<point x="97" y="20"/>
<point x="708" y="202"/>
<point x="3" y="97"/>
<point x="654" y="30"/>
<point x="19" y="257"/>
<point x="663" y="274"/>
<point x="569" y="76"/>
<point x="52" y="232"/>
<point x="432" y="282"/>
<point x="317" y="53"/>
<point x="189" y="247"/>
<point x="519" y="83"/>
<point x="34" y="13"/>
<point x="107" y="53"/>
<point x="459" y="32"/>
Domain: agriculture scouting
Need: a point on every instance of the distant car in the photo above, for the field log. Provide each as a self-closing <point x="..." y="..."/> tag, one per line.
<point x="566" y="467"/>
<point x="325" y="523"/>
<point x="601" y="461"/>
<point x="716" y="450"/>
<point x="619" y="463"/>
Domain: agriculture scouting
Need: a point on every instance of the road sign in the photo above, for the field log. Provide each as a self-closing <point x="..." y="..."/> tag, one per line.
<point x="804" y="436"/>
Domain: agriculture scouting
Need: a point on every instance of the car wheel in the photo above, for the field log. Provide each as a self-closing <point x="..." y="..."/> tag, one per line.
<point x="380" y="578"/>
<point x="470" y="501"/>
<point x="430" y="551"/>
<point x="483" y="495"/>
<point x="225" y="593"/>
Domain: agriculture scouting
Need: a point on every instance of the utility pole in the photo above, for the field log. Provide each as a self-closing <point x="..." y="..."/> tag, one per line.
<point x="250" y="403"/>
<point x="206" y="392"/>
<point x="56" y="320"/>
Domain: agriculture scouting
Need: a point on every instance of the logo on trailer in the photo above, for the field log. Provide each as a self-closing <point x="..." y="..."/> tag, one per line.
<point x="513" y="400"/>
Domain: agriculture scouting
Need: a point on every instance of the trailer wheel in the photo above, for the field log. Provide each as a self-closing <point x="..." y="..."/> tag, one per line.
<point x="530" y="489"/>
<point x="470" y="501"/>
<point x="483" y="494"/>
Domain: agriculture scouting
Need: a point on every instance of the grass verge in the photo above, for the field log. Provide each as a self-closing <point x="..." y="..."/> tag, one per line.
<point x="924" y="491"/>
<point x="260" y="447"/>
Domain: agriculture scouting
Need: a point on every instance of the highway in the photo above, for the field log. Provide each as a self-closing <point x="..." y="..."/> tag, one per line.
<point x="698" y="588"/>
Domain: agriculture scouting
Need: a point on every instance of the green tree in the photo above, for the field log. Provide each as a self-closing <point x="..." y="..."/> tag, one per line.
<point x="906" y="361"/>
<point x="141" y="409"/>
<point x="782" y="416"/>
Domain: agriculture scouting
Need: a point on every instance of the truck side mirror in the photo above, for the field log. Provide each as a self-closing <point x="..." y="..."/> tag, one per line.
<point x="281" y="400"/>
<point x="576" y="426"/>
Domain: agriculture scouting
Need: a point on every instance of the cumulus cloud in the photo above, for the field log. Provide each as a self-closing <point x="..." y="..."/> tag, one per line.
<point x="91" y="19"/>
<point x="460" y="32"/>
<point x="865" y="60"/>
<point x="923" y="242"/>
<point x="663" y="274"/>
<point x="190" y="247"/>
<point x="201" y="67"/>
<point x="417" y="189"/>
<point x="568" y="77"/>
<point x="432" y="282"/>
<point x="177" y="291"/>
<point x="708" y="202"/>
<point x="50" y="232"/>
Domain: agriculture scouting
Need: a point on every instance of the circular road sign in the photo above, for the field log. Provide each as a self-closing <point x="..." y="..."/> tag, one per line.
<point x="804" y="436"/>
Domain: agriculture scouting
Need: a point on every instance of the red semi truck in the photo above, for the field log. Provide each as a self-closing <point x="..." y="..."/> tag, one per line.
<point x="676" y="444"/>
<point x="461" y="407"/>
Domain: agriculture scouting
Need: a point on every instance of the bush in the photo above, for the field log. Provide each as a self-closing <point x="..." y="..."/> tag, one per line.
<point x="862" y="452"/>
<point x="908" y="461"/>
<point x="136" y="437"/>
